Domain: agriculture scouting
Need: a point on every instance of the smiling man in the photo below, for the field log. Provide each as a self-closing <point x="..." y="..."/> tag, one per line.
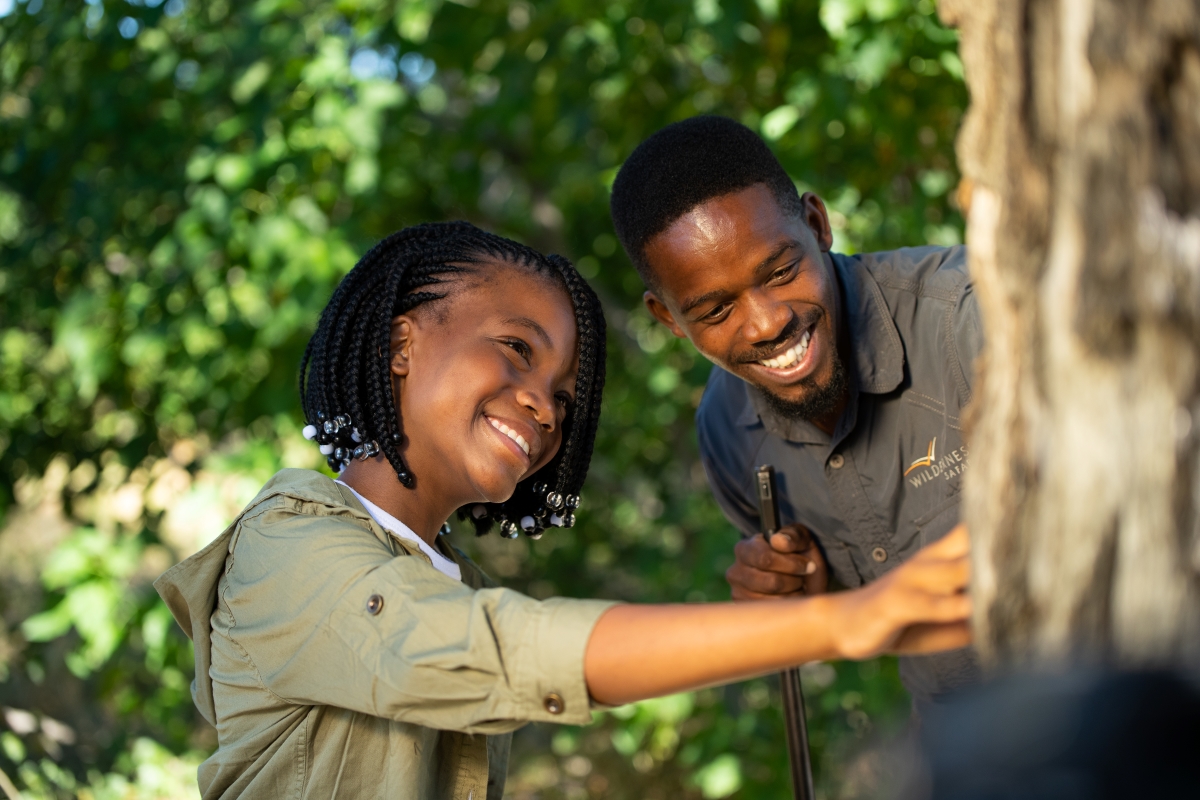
<point x="847" y="373"/>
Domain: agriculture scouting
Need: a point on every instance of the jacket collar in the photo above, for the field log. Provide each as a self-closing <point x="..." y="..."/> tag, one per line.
<point x="877" y="360"/>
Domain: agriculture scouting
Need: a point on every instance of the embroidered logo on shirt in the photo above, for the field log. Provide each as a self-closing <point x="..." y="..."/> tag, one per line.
<point x="948" y="466"/>
<point x="929" y="458"/>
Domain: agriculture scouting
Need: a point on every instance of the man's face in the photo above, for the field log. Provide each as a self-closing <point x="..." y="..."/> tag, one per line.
<point x="754" y="289"/>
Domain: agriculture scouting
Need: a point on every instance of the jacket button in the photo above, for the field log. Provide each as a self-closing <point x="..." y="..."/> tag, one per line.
<point x="879" y="554"/>
<point x="374" y="604"/>
<point x="836" y="461"/>
<point x="554" y="703"/>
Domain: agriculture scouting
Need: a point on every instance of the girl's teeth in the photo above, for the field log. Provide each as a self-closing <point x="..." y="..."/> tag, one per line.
<point x="510" y="433"/>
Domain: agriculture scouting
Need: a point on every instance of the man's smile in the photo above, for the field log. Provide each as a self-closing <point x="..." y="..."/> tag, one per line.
<point x="792" y="361"/>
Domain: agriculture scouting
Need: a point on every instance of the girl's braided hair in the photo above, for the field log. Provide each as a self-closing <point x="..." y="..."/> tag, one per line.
<point x="345" y="376"/>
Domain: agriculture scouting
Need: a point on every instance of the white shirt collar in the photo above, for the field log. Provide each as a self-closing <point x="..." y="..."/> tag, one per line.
<point x="401" y="531"/>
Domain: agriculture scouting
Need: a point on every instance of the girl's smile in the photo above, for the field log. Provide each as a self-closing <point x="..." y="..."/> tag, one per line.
<point x="512" y="431"/>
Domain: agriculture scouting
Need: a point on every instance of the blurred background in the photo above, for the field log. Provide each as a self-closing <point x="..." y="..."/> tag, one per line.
<point x="182" y="184"/>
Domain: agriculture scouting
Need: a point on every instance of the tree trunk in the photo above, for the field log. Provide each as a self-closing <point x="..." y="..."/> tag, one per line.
<point x="1081" y="163"/>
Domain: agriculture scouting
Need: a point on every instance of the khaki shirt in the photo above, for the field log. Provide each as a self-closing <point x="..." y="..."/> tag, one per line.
<point x="335" y="661"/>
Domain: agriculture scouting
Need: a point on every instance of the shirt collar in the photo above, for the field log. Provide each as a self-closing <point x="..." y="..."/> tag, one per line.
<point x="401" y="531"/>
<point x="878" y="356"/>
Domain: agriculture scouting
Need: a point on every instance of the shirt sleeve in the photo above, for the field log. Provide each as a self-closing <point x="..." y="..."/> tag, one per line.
<point x="734" y="504"/>
<point x="327" y="615"/>
<point x="966" y="340"/>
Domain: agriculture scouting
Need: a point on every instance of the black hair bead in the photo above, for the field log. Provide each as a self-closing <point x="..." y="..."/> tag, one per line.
<point x="334" y="464"/>
<point x="572" y="501"/>
<point x="554" y="500"/>
<point x="540" y="487"/>
<point x="569" y="520"/>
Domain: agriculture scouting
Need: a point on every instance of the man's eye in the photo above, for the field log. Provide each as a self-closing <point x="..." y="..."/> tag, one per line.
<point x="783" y="273"/>
<point x="717" y="312"/>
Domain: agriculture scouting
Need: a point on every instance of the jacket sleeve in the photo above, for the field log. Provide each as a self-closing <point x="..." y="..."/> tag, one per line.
<point x="327" y="615"/>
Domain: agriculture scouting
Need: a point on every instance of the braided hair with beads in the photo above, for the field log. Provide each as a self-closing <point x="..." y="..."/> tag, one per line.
<point x="345" y="376"/>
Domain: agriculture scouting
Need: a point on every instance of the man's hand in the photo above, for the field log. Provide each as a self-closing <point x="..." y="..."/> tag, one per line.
<point x="790" y="565"/>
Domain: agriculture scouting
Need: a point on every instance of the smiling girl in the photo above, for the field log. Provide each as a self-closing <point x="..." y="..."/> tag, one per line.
<point x="345" y="649"/>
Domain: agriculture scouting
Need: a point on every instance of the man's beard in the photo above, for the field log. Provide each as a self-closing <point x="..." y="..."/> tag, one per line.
<point x="819" y="401"/>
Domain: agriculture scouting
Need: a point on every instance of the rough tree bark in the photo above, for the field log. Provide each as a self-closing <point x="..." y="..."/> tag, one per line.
<point x="1081" y="162"/>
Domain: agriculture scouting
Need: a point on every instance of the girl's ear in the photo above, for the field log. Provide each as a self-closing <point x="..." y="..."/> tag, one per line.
<point x="400" y="346"/>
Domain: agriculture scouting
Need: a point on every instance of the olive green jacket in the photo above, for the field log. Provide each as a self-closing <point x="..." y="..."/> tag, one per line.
<point x="336" y="662"/>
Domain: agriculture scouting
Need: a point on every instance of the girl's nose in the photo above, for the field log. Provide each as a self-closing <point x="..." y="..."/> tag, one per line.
<point x="540" y="402"/>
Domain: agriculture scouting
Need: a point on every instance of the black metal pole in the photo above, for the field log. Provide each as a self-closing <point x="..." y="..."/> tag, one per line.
<point x="789" y="680"/>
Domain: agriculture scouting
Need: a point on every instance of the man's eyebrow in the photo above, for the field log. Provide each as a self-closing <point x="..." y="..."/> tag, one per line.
<point x="700" y="300"/>
<point x="538" y="330"/>
<point x="780" y="249"/>
<point x="691" y="302"/>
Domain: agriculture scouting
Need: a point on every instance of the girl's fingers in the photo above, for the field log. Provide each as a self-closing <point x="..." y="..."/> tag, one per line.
<point x="932" y="637"/>
<point x="954" y="544"/>
<point x="919" y="607"/>
<point x="938" y="577"/>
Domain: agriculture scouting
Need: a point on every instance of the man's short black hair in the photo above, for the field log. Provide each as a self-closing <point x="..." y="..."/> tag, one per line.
<point x="684" y="165"/>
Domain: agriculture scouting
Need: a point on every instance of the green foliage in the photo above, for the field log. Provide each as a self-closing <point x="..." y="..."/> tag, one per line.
<point x="183" y="183"/>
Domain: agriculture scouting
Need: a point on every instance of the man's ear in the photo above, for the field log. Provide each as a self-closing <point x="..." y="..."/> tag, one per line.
<point x="658" y="309"/>
<point x="400" y="344"/>
<point x="817" y="219"/>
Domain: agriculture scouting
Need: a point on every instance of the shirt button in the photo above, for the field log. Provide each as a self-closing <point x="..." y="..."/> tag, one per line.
<point x="879" y="554"/>
<point x="836" y="461"/>
<point x="554" y="703"/>
<point x="374" y="604"/>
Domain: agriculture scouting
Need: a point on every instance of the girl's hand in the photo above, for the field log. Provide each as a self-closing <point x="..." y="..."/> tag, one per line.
<point x="921" y="606"/>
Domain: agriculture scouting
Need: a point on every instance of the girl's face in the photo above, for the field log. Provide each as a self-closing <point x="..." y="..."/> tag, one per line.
<point x="483" y="380"/>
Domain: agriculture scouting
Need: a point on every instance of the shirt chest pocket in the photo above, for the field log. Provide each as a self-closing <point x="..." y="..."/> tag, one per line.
<point x="933" y="471"/>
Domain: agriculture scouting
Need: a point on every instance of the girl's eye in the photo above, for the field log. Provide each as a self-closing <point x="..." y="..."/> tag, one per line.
<point x="520" y="348"/>
<point x="564" y="400"/>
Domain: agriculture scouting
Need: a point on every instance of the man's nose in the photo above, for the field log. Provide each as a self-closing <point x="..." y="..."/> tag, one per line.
<point x="766" y="317"/>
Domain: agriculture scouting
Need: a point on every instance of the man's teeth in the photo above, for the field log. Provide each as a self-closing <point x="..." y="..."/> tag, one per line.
<point x="510" y="433"/>
<point x="790" y="356"/>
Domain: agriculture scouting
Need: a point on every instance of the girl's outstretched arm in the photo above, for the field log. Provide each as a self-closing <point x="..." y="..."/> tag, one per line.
<point x="641" y="651"/>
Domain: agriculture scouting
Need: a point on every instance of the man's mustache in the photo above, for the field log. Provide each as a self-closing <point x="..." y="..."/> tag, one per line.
<point x="767" y="349"/>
